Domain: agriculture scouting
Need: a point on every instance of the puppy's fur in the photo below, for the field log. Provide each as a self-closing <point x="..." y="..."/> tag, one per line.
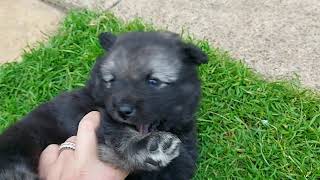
<point x="147" y="90"/>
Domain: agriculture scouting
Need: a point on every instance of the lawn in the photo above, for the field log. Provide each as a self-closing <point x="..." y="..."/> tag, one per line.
<point x="248" y="127"/>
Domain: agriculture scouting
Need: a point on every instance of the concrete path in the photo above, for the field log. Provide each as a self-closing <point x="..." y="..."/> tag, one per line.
<point x="275" y="37"/>
<point x="23" y="23"/>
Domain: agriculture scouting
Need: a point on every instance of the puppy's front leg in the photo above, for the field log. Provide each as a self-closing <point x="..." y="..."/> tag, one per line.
<point x="134" y="151"/>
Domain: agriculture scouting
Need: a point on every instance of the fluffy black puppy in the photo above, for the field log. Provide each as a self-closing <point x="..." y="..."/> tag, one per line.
<point x="146" y="88"/>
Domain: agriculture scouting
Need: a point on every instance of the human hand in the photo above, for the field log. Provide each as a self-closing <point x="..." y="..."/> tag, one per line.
<point x="81" y="163"/>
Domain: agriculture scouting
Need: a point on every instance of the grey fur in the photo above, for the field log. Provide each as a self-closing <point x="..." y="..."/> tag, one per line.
<point x="164" y="68"/>
<point x="153" y="60"/>
<point x="19" y="172"/>
<point x="141" y="152"/>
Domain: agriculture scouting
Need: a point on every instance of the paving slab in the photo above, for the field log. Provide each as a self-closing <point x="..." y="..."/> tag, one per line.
<point x="23" y="23"/>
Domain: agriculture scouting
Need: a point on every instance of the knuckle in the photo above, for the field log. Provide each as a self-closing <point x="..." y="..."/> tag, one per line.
<point x="71" y="139"/>
<point x="51" y="148"/>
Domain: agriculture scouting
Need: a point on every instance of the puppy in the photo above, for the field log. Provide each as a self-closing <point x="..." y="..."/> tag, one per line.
<point x="147" y="90"/>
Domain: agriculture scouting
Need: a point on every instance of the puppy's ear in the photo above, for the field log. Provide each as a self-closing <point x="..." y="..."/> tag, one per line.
<point x="94" y="85"/>
<point x="107" y="40"/>
<point x="193" y="54"/>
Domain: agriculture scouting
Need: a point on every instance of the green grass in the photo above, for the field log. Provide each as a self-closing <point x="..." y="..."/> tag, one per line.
<point x="248" y="128"/>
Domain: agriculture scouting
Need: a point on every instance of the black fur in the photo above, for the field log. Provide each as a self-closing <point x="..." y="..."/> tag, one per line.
<point x="106" y="40"/>
<point x="164" y="112"/>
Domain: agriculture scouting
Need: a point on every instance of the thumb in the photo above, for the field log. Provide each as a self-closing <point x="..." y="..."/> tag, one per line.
<point x="86" y="148"/>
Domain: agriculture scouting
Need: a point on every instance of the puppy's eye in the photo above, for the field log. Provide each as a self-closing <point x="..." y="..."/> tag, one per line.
<point x="108" y="78"/>
<point x="111" y="80"/>
<point x="153" y="82"/>
<point x="108" y="81"/>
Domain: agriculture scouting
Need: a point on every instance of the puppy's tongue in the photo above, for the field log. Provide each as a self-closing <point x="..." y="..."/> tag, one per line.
<point x="143" y="129"/>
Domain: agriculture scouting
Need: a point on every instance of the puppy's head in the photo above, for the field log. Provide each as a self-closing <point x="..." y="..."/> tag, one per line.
<point x="147" y="80"/>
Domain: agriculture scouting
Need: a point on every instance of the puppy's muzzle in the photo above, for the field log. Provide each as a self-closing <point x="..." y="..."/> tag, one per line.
<point x="126" y="111"/>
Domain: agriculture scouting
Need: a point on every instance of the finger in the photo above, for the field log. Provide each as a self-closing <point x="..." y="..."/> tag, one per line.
<point x="67" y="153"/>
<point x="64" y="161"/>
<point x="47" y="158"/>
<point x="86" y="137"/>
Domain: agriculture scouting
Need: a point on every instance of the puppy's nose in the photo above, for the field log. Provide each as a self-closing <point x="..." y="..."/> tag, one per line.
<point x="126" y="111"/>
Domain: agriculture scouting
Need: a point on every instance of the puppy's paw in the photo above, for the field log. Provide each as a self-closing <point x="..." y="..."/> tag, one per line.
<point x="162" y="148"/>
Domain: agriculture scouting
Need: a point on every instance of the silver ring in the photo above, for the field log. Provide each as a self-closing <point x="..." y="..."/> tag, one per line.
<point x="67" y="145"/>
